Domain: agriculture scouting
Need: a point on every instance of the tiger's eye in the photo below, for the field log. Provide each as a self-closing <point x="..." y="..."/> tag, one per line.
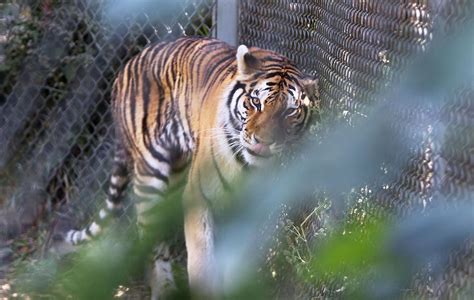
<point x="256" y="101"/>
<point x="291" y="111"/>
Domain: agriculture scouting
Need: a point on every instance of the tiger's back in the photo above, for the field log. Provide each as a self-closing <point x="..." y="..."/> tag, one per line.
<point x="158" y="95"/>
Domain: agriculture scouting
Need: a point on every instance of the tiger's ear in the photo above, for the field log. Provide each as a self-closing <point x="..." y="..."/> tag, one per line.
<point x="246" y="62"/>
<point x="311" y="87"/>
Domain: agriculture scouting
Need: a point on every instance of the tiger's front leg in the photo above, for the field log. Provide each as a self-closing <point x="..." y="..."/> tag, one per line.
<point x="199" y="235"/>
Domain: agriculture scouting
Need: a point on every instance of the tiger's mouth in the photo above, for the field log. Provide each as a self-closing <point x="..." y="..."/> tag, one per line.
<point x="259" y="154"/>
<point x="260" y="150"/>
<point x="256" y="153"/>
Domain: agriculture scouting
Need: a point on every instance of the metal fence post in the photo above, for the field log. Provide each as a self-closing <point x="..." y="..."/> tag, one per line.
<point x="227" y="20"/>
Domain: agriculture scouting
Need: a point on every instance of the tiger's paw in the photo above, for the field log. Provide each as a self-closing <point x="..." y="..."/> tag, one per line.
<point x="161" y="279"/>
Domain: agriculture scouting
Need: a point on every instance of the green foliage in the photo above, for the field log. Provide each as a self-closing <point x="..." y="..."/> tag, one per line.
<point x="99" y="267"/>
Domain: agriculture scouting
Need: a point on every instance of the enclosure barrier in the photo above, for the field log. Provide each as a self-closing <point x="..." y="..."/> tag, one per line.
<point x="55" y="124"/>
<point x="357" y="49"/>
<point x="61" y="59"/>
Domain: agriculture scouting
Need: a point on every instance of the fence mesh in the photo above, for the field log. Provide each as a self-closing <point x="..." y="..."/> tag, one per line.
<point x="357" y="49"/>
<point x="60" y="60"/>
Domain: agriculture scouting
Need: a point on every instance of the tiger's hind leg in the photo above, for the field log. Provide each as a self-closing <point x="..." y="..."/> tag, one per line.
<point x="150" y="185"/>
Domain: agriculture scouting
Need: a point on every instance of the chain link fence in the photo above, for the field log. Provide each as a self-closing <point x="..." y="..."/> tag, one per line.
<point x="58" y="61"/>
<point x="358" y="49"/>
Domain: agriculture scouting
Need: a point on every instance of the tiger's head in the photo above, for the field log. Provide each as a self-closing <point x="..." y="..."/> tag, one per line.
<point x="273" y="102"/>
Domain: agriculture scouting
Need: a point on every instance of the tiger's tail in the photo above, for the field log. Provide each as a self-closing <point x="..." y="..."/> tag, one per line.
<point x="117" y="184"/>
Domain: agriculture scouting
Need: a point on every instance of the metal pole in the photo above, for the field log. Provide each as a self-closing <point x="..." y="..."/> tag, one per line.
<point x="227" y="21"/>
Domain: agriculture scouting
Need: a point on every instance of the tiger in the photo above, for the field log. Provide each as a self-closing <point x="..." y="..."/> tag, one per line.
<point x="204" y="110"/>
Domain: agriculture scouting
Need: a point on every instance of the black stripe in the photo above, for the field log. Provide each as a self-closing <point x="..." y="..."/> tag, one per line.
<point x="136" y="77"/>
<point x="290" y="77"/>
<point x="114" y="199"/>
<point x="197" y="64"/>
<point x="232" y="112"/>
<point x="119" y="169"/>
<point x="115" y="186"/>
<point x="88" y="231"/>
<point x="179" y="118"/>
<point x="167" y="55"/>
<point x="236" y="107"/>
<point x="236" y="87"/>
<point x="274" y="74"/>
<point x="156" y="49"/>
<point x="73" y="235"/>
<point x="211" y="72"/>
<point x="235" y="116"/>
<point x="278" y="65"/>
<point x="273" y="59"/>
<point x="187" y="108"/>
<point x="207" y="45"/>
<point x="154" y="152"/>
<point x="146" y="103"/>
<point x="235" y="149"/>
<point x="122" y="107"/>
<point x="161" y="101"/>
<point x="218" y="76"/>
<point x="169" y="110"/>
<point x="257" y="75"/>
<point x="152" y="171"/>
